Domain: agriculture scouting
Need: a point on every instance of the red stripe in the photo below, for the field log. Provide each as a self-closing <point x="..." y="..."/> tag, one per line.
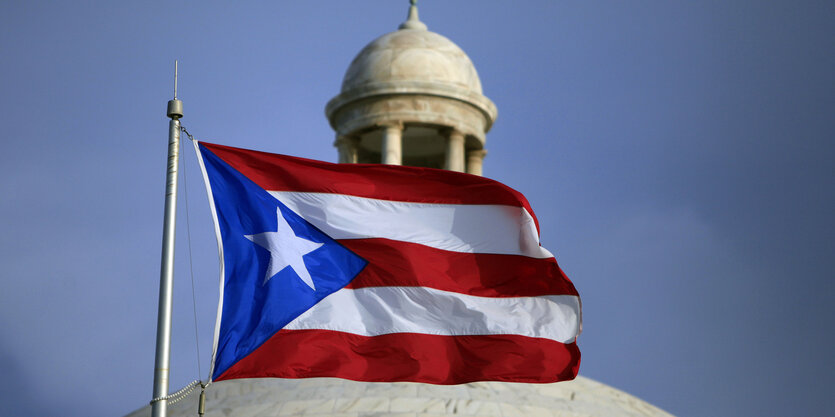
<point x="409" y="357"/>
<point x="397" y="183"/>
<point x="395" y="263"/>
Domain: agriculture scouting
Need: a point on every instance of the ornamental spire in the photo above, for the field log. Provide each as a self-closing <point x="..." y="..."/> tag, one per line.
<point x="413" y="22"/>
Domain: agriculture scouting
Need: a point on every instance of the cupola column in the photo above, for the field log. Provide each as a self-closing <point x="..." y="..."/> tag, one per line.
<point x="454" y="150"/>
<point x="392" y="152"/>
<point x="475" y="160"/>
<point x="347" y="147"/>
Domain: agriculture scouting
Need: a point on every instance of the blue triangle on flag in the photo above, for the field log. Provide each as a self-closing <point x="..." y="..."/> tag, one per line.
<point x="255" y="306"/>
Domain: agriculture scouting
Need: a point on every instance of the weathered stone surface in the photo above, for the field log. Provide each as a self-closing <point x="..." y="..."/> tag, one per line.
<point x="331" y="397"/>
<point x="412" y="55"/>
<point x="412" y="108"/>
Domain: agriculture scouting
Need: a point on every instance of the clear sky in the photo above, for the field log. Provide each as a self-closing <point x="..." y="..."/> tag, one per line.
<point x="679" y="156"/>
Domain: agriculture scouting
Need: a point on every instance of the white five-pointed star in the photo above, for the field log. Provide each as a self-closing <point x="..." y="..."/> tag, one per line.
<point x="286" y="249"/>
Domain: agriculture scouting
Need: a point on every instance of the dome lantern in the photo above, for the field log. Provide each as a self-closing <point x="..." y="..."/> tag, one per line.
<point x="412" y="97"/>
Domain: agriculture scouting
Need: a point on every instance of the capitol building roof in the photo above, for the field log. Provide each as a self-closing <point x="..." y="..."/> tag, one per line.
<point x="331" y="397"/>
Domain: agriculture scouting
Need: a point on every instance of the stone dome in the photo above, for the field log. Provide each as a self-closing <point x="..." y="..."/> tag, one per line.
<point x="331" y="397"/>
<point x="415" y="57"/>
<point x="412" y="75"/>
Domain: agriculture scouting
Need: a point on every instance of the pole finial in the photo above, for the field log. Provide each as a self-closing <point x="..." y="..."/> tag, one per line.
<point x="413" y="22"/>
<point x="175" y="106"/>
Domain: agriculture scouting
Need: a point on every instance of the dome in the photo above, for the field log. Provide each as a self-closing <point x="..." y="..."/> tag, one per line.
<point x="329" y="397"/>
<point x="412" y="57"/>
<point x="412" y="75"/>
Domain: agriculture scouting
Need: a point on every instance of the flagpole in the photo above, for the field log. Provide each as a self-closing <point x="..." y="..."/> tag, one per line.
<point x="159" y="404"/>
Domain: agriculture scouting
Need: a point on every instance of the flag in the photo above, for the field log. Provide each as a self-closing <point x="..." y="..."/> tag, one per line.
<point x="382" y="273"/>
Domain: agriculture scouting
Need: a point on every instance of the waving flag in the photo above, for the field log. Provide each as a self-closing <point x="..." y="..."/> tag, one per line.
<point x="382" y="273"/>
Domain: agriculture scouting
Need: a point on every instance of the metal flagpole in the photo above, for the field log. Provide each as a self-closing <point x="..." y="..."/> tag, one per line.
<point x="159" y="404"/>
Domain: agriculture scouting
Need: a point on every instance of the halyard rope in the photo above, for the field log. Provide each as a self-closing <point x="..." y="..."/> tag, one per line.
<point x="190" y="262"/>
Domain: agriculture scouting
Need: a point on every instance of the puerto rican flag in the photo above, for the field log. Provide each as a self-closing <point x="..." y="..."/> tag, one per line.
<point x="382" y="273"/>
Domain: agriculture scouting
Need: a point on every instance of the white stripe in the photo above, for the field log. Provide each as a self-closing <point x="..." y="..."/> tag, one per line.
<point x="375" y="311"/>
<point x="470" y="228"/>
<point x="222" y="267"/>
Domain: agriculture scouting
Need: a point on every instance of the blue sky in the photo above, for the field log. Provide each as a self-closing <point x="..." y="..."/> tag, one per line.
<point x="679" y="156"/>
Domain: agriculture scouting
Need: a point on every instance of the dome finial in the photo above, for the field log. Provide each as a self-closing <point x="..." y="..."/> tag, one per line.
<point x="413" y="22"/>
